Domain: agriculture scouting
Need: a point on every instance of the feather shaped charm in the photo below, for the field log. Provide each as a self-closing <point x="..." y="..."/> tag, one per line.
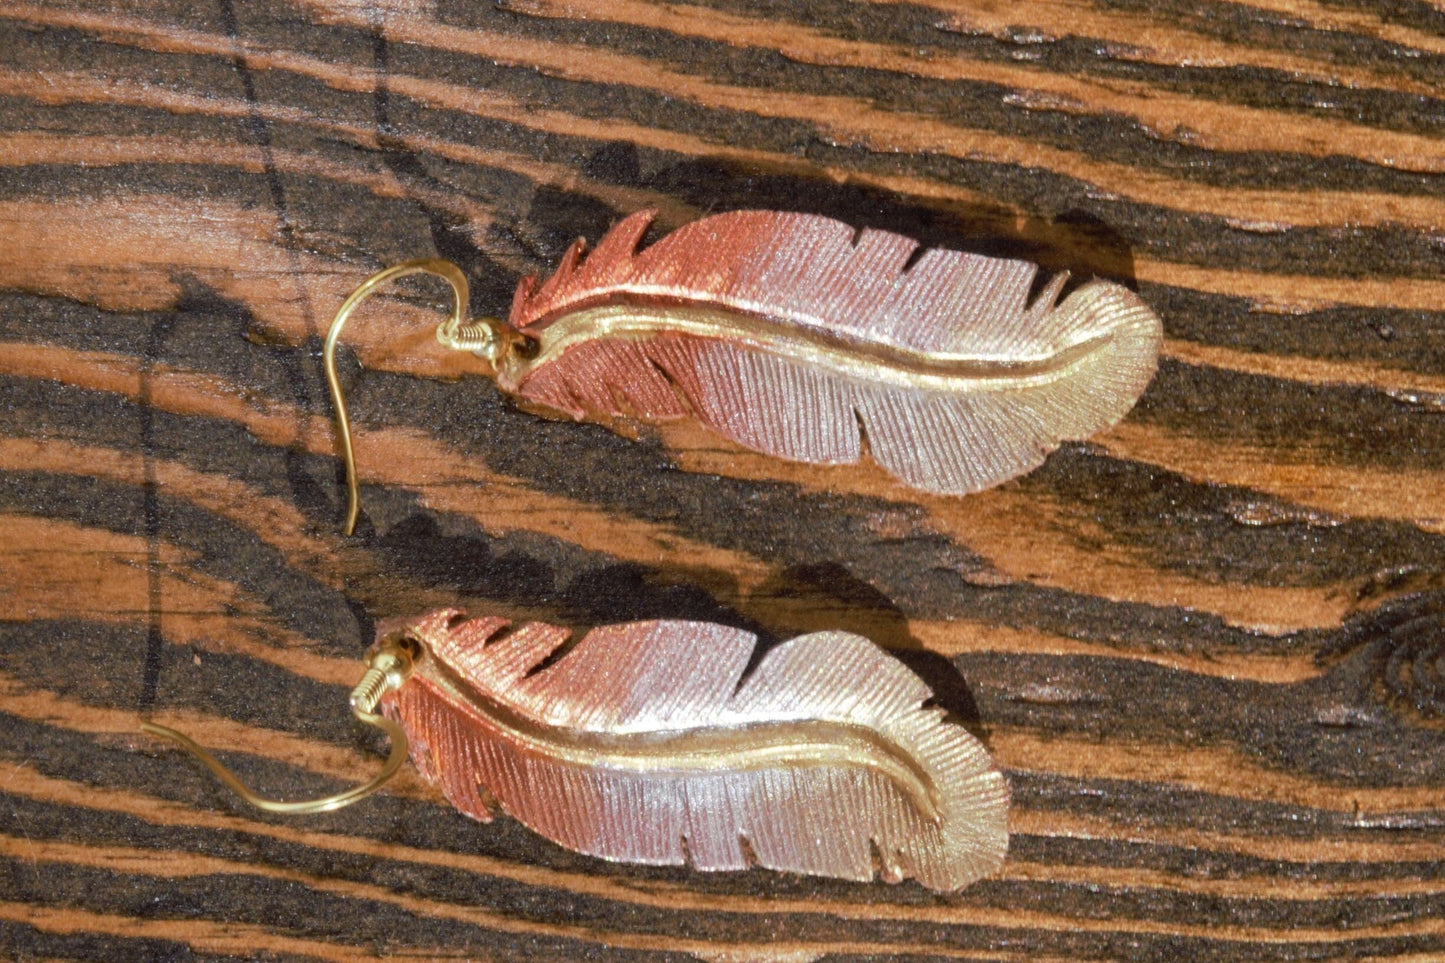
<point x="643" y="743"/>
<point x="638" y="745"/>
<point x="795" y="335"/>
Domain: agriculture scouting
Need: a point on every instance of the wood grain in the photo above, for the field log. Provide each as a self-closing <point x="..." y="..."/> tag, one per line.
<point x="1208" y="647"/>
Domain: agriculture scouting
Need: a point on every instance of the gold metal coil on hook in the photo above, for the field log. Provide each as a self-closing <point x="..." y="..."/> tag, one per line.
<point x="489" y="338"/>
<point x="483" y="338"/>
<point x="387" y="669"/>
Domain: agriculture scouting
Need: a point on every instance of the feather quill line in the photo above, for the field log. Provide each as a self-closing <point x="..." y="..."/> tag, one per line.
<point x="749" y="747"/>
<point x="872" y="361"/>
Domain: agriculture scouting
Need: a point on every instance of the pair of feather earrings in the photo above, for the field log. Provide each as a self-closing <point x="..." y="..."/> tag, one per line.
<point x="796" y="336"/>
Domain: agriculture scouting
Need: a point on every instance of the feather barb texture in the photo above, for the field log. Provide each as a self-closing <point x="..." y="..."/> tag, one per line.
<point x="795" y="335"/>
<point x="644" y="743"/>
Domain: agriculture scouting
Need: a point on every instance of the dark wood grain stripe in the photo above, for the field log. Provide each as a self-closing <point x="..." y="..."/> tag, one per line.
<point x="1216" y="128"/>
<point x="916" y="134"/>
<point x="1213" y="770"/>
<point x="160" y="824"/>
<point x="666" y="896"/>
<point x="1232" y="281"/>
<point x="223" y="496"/>
<point x="73" y="857"/>
<point x="608" y="49"/>
<point x="473" y="490"/>
<point x="57" y="791"/>
<point x="937" y="637"/>
<point x="227" y="940"/>
<point x="1120" y="38"/>
<point x="53" y="944"/>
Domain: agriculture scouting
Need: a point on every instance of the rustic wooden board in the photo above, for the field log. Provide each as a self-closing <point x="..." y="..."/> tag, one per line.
<point x="1206" y="646"/>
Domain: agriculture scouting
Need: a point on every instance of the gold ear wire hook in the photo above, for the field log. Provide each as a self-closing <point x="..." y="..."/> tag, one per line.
<point x="485" y="337"/>
<point x="386" y="670"/>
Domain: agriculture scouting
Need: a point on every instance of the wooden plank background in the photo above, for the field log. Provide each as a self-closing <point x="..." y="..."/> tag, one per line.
<point x="1206" y="646"/>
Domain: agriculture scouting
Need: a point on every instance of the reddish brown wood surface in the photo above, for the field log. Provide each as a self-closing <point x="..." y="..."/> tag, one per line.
<point x="1205" y="646"/>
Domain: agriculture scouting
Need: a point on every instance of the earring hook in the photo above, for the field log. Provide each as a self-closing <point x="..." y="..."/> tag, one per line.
<point x="488" y="338"/>
<point x="386" y="670"/>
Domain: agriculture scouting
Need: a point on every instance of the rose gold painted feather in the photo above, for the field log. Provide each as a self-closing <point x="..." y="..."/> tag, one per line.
<point x="639" y="745"/>
<point x="787" y="332"/>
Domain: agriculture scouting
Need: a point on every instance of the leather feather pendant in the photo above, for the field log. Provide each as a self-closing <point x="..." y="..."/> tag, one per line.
<point x="638" y="745"/>
<point x="795" y="335"/>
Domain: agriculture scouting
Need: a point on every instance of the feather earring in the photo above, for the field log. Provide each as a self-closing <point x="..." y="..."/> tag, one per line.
<point x="644" y="744"/>
<point x="797" y="336"/>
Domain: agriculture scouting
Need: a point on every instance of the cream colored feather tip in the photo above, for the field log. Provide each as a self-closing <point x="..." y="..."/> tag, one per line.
<point x="644" y="744"/>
